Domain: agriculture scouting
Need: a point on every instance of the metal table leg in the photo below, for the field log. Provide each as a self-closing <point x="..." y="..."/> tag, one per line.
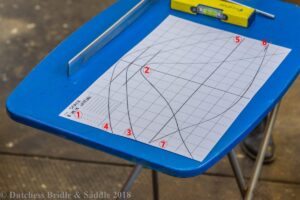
<point x="262" y="152"/>
<point x="155" y="185"/>
<point x="238" y="174"/>
<point x="247" y="191"/>
<point x="133" y="176"/>
<point x="128" y="184"/>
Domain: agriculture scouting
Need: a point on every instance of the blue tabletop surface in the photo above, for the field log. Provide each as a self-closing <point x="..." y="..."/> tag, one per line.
<point x="47" y="90"/>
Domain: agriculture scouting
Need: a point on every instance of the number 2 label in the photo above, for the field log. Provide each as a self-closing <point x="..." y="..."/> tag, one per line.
<point x="147" y="70"/>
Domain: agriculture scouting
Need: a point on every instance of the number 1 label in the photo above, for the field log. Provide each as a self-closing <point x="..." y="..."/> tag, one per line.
<point x="78" y="115"/>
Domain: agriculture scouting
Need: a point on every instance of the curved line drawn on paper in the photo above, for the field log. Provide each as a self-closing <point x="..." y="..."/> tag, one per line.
<point x="200" y="80"/>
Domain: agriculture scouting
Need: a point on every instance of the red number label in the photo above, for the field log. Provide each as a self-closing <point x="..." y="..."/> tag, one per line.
<point x="264" y="43"/>
<point x="78" y="114"/>
<point x="106" y="126"/>
<point x="128" y="132"/>
<point x="237" y="39"/>
<point x="163" y="144"/>
<point x="147" y="70"/>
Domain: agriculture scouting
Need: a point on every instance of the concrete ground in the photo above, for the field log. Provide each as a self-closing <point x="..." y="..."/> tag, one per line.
<point x="35" y="161"/>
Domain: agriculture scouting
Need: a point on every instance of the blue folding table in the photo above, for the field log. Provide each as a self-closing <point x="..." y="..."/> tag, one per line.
<point x="81" y="58"/>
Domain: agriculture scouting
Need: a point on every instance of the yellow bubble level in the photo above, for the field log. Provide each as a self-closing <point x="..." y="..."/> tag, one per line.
<point x="225" y="11"/>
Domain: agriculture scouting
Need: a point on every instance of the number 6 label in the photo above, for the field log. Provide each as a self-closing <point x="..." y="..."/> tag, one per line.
<point x="264" y="43"/>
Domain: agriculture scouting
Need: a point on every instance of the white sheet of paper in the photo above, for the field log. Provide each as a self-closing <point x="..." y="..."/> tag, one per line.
<point x="180" y="88"/>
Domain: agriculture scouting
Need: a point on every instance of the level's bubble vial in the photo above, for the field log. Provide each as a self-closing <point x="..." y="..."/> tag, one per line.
<point x="209" y="11"/>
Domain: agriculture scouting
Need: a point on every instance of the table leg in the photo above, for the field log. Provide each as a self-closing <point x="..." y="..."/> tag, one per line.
<point x="155" y="185"/>
<point x="237" y="172"/>
<point x="248" y="190"/>
<point x="128" y="184"/>
<point x="261" y="154"/>
<point x="247" y="193"/>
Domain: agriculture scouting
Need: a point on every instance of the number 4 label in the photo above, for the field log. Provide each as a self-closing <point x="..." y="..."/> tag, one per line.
<point x="106" y="126"/>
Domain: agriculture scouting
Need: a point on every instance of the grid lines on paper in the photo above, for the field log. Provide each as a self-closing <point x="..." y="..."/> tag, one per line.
<point x="198" y="82"/>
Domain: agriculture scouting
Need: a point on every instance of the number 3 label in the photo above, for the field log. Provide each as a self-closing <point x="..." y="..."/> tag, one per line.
<point x="128" y="132"/>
